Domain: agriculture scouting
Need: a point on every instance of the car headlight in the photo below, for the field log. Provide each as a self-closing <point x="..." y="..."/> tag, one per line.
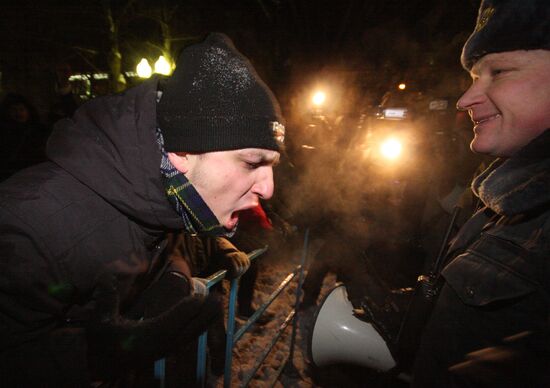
<point x="391" y="148"/>
<point x="318" y="98"/>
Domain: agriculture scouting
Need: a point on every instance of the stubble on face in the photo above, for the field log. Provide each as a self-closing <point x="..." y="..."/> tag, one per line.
<point x="231" y="181"/>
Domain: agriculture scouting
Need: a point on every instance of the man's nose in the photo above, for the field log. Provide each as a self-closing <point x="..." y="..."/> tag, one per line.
<point x="471" y="97"/>
<point x="264" y="185"/>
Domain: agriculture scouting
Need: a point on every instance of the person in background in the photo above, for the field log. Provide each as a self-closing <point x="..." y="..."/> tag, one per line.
<point x="65" y="101"/>
<point x="255" y="230"/>
<point x="490" y="323"/>
<point x="87" y="295"/>
<point x="23" y="135"/>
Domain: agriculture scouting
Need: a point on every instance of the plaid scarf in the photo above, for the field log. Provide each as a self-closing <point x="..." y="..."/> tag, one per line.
<point x="197" y="216"/>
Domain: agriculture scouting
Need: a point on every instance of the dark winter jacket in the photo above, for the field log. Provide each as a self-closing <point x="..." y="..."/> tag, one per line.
<point x="498" y="282"/>
<point x="97" y="205"/>
<point x="505" y="247"/>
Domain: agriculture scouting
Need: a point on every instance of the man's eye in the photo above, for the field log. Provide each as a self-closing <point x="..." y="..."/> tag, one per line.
<point x="496" y="72"/>
<point x="252" y="165"/>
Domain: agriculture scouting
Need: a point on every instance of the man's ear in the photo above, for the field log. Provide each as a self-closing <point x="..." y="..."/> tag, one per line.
<point x="179" y="161"/>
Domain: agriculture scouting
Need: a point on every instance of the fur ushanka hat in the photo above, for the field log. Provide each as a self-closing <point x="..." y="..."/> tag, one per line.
<point x="508" y="25"/>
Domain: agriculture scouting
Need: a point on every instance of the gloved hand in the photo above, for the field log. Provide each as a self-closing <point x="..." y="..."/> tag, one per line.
<point x="361" y="284"/>
<point x="356" y="292"/>
<point x="386" y="318"/>
<point x="375" y="302"/>
<point x="237" y="263"/>
<point x="160" y="296"/>
<point x="198" y="286"/>
<point x="116" y="343"/>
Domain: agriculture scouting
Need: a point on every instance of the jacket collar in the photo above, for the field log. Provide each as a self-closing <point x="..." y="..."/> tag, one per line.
<point x="109" y="145"/>
<point x="520" y="183"/>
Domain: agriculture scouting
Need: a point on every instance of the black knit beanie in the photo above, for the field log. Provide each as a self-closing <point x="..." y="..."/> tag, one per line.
<point x="508" y="25"/>
<point x="215" y="101"/>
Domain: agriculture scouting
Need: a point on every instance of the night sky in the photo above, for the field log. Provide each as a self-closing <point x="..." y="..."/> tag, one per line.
<point x="286" y="40"/>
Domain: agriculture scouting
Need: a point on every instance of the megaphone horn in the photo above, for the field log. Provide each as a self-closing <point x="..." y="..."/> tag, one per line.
<point x="339" y="337"/>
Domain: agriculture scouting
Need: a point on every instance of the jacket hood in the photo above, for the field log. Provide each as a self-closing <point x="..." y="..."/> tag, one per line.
<point x="110" y="146"/>
<point x="520" y="183"/>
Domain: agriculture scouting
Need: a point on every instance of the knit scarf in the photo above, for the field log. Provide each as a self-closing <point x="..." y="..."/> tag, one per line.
<point x="197" y="216"/>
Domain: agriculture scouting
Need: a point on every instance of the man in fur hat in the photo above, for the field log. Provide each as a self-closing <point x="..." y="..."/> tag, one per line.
<point x="87" y="291"/>
<point x="491" y="318"/>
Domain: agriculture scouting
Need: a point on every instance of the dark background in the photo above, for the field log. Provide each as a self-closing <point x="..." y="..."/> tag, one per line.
<point x="364" y="46"/>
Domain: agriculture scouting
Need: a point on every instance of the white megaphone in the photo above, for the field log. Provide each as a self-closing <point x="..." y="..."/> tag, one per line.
<point x="339" y="337"/>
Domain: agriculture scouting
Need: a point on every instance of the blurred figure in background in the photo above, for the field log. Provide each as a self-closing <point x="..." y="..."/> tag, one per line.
<point x="258" y="228"/>
<point x="23" y="135"/>
<point x="65" y="102"/>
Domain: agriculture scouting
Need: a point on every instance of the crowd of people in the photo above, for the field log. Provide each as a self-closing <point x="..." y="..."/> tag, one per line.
<point x="110" y="221"/>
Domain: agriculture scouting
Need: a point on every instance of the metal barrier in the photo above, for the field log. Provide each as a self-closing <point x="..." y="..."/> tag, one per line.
<point x="211" y="281"/>
<point x="233" y="337"/>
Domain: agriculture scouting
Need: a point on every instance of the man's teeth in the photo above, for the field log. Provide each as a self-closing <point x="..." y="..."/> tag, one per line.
<point x="487" y="118"/>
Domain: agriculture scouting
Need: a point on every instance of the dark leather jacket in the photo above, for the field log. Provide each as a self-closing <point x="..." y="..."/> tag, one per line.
<point x="496" y="282"/>
<point x="503" y="251"/>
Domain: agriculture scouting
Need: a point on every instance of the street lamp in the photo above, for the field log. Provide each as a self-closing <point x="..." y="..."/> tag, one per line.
<point x="162" y="66"/>
<point x="144" y="69"/>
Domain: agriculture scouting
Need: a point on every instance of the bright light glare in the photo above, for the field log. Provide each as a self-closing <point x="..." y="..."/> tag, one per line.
<point x="402" y="86"/>
<point x="143" y="68"/>
<point x="391" y="149"/>
<point x="319" y="98"/>
<point x="162" y="66"/>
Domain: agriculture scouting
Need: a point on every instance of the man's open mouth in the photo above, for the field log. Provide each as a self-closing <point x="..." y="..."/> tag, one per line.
<point x="233" y="220"/>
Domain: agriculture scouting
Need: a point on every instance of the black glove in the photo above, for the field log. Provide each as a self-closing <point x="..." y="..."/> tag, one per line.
<point x="160" y="296"/>
<point x="386" y="317"/>
<point x="361" y="284"/>
<point x="116" y="344"/>
<point x="237" y="263"/>
<point x="375" y="302"/>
